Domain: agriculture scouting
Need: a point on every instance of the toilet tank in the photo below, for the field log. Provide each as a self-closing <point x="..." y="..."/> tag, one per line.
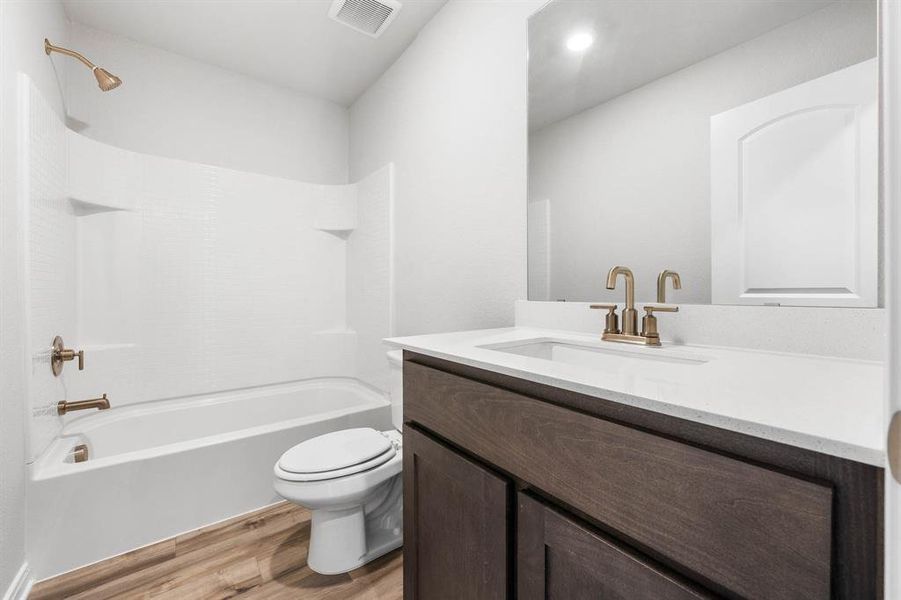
<point x="396" y="387"/>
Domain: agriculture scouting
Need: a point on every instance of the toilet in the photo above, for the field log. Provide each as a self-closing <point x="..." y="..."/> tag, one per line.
<point x="351" y="482"/>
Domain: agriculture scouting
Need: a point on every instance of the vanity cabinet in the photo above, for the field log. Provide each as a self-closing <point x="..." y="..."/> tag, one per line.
<point x="518" y="490"/>
<point x="558" y="558"/>
<point x="460" y="512"/>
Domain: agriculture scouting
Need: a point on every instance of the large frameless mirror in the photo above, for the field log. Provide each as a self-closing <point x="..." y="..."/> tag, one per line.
<point x="733" y="142"/>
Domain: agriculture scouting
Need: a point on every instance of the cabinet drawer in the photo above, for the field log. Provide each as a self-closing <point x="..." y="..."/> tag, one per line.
<point x="739" y="528"/>
<point x="559" y="559"/>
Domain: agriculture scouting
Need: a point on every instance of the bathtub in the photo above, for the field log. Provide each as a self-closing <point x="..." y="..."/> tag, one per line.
<point x="159" y="469"/>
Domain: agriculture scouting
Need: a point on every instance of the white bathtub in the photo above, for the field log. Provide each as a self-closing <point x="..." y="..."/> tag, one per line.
<point x="160" y="469"/>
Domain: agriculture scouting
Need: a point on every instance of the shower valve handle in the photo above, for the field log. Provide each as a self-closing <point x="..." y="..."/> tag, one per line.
<point x="60" y="355"/>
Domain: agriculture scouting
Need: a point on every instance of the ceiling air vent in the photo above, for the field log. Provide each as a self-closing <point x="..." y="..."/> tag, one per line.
<point x="371" y="17"/>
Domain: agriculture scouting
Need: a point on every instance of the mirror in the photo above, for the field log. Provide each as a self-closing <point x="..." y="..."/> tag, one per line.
<point x="734" y="142"/>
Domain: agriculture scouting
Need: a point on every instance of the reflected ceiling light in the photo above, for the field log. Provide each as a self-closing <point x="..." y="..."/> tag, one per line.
<point x="579" y="41"/>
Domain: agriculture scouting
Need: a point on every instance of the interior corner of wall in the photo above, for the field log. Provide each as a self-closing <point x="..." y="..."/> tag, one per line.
<point x="337" y="208"/>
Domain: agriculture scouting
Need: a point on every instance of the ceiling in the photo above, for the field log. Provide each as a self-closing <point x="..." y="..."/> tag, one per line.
<point x="636" y="42"/>
<point x="292" y="43"/>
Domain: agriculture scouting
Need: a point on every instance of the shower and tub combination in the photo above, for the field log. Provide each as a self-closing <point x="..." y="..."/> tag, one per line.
<point x="223" y="316"/>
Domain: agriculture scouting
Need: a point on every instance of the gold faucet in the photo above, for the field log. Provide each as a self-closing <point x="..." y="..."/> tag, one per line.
<point x="630" y="315"/>
<point x="661" y="284"/>
<point x="649" y="322"/>
<point x="64" y="406"/>
<point x="649" y="335"/>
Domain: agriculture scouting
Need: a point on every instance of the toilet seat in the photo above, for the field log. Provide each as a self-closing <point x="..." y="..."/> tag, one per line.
<point x="336" y="454"/>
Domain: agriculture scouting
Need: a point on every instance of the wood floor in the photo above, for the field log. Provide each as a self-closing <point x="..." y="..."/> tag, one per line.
<point x="259" y="555"/>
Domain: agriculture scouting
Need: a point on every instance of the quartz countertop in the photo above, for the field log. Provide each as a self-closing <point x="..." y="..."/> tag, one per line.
<point x="828" y="405"/>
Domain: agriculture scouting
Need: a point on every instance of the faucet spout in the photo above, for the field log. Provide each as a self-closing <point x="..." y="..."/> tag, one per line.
<point x="661" y="284"/>
<point x="630" y="315"/>
<point x="64" y="406"/>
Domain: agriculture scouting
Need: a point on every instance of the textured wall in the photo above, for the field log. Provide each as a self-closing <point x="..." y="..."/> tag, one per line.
<point x="451" y="115"/>
<point x="51" y="259"/>
<point x="180" y="279"/>
<point x="370" y="276"/>
<point x="23" y="26"/>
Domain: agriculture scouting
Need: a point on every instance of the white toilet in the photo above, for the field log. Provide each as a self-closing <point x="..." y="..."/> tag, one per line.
<point x="351" y="481"/>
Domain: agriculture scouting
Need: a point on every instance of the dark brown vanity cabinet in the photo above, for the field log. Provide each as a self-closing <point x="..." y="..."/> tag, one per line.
<point x="558" y="558"/>
<point x="519" y="490"/>
<point x="460" y="513"/>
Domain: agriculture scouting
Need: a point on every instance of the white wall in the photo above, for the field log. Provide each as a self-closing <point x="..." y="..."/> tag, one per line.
<point x="23" y="26"/>
<point x="451" y="115"/>
<point x="605" y="207"/>
<point x="370" y="276"/>
<point x="51" y="257"/>
<point x="172" y="106"/>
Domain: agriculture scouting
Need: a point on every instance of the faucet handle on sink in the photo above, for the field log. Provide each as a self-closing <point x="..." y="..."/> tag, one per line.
<point x="649" y="321"/>
<point x="652" y="308"/>
<point x="612" y="320"/>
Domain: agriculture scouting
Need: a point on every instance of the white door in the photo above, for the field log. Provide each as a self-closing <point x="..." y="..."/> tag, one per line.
<point x="794" y="195"/>
<point x="890" y="17"/>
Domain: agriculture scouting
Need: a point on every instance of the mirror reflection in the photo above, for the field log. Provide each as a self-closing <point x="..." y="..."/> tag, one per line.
<point x="734" y="143"/>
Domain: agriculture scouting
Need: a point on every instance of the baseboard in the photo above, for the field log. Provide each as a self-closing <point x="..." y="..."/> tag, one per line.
<point x="21" y="584"/>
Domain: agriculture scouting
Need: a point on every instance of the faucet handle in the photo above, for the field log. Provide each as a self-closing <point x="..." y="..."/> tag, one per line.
<point x="649" y="321"/>
<point x="612" y="320"/>
<point x="650" y="309"/>
<point x="59" y="355"/>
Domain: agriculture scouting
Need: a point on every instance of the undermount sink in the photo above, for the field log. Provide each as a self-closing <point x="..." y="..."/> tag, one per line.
<point x="601" y="355"/>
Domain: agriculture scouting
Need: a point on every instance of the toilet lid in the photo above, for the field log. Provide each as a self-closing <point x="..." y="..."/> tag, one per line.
<point x="338" y="451"/>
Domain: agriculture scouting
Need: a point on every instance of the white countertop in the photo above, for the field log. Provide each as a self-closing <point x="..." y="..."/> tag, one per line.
<point x="829" y="405"/>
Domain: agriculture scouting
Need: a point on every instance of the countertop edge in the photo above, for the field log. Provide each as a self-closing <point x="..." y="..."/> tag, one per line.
<point x="870" y="456"/>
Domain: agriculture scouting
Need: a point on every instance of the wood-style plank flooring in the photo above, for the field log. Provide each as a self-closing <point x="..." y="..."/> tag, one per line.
<point x="261" y="555"/>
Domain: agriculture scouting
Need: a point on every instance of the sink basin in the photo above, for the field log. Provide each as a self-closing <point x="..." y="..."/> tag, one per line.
<point x="604" y="356"/>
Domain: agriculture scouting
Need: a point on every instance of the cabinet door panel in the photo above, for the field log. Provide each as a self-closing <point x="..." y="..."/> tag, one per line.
<point x="456" y="515"/>
<point x="559" y="559"/>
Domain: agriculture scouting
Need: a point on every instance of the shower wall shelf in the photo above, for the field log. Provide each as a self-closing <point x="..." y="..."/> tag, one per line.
<point x="84" y="208"/>
<point x="336" y="209"/>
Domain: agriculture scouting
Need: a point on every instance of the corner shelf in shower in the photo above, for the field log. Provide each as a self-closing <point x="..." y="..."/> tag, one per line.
<point x="336" y="209"/>
<point x="84" y="208"/>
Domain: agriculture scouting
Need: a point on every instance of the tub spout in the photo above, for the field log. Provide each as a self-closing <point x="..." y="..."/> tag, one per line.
<point x="65" y="406"/>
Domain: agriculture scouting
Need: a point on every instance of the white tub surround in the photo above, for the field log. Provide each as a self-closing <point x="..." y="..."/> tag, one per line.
<point x="828" y="405"/>
<point x="163" y="468"/>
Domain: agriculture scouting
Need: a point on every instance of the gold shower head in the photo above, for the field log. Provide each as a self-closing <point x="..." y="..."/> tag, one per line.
<point x="106" y="80"/>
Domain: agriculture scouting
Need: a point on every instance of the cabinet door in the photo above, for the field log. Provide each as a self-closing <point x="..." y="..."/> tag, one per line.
<point x="559" y="559"/>
<point x="456" y="525"/>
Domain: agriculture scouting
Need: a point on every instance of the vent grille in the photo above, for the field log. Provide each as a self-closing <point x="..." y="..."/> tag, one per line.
<point x="371" y="17"/>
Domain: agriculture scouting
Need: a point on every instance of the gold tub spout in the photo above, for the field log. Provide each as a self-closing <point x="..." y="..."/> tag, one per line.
<point x="80" y="453"/>
<point x="64" y="406"/>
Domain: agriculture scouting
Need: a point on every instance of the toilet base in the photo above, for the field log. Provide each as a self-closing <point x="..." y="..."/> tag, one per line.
<point x="342" y="540"/>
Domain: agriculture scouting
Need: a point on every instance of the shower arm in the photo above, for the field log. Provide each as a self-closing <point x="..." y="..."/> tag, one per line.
<point x="48" y="48"/>
<point x="106" y="80"/>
